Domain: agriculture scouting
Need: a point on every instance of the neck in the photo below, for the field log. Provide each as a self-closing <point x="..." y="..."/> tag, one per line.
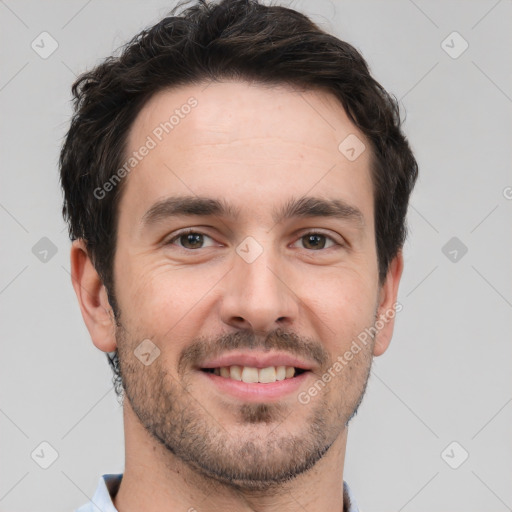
<point x="154" y="479"/>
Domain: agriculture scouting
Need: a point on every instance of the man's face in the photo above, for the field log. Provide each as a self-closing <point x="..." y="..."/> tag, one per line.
<point x="250" y="283"/>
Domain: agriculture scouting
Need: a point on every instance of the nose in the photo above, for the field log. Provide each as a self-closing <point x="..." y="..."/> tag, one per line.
<point x="257" y="296"/>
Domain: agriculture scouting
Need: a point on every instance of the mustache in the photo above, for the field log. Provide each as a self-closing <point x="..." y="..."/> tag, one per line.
<point x="207" y="348"/>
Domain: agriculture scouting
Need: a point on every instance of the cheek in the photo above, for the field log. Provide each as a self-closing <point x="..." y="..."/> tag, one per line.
<point x="344" y="306"/>
<point x="343" y="293"/>
<point x="163" y="299"/>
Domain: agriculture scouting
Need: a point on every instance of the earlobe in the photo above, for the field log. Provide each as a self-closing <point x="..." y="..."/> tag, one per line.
<point x="92" y="298"/>
<point x="387" y="308"/>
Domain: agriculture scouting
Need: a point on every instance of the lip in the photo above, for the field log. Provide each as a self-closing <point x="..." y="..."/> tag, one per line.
<point x="255" y="392"/>
<point x="257" y="360"/>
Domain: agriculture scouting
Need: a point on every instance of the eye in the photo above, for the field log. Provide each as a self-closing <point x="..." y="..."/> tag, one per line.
<point x="317" y="240"/>
<point x="192" y="239"/>
<point x="189" y="239"/>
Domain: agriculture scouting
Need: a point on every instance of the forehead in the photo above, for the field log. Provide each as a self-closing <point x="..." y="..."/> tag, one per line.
<point x="250" y="143"/>
<point x="219" y="112"/>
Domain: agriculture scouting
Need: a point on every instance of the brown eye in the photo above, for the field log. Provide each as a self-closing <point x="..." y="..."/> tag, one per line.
<point x="189" y="240"/>
<point x="316" y="241"/>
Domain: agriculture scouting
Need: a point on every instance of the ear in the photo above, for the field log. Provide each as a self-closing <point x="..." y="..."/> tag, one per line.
<point x="388" y="308"/>
<point x="92" y="297"/>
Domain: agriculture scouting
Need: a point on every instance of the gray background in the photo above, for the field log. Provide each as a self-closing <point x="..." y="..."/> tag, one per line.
<point x="446" y="376"/>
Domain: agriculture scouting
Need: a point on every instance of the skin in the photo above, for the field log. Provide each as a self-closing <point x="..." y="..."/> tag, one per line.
<point x="188" y="445"/>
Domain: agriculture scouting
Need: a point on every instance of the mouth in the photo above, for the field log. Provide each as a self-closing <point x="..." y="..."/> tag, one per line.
<point x="253" y="384"/>
<point x="255" y="376"/>
<point x="252" y="375"/>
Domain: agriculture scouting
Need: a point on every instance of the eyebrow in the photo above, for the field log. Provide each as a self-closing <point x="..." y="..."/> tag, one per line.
<point x="302" y="207"/>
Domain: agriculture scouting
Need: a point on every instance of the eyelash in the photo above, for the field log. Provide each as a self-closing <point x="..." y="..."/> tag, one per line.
<point x="178" y="235"/>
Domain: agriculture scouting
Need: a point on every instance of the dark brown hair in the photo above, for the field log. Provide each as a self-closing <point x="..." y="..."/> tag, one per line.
<point x="231" y="39"/>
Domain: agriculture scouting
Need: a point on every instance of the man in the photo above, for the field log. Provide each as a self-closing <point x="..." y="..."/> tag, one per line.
<point x="236" y="186"/>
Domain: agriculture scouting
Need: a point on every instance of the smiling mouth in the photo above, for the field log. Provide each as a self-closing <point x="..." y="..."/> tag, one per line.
<point x="250" y="374"/>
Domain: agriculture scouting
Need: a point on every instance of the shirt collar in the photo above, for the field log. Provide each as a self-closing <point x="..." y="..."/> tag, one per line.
<point x="108" y="486"/>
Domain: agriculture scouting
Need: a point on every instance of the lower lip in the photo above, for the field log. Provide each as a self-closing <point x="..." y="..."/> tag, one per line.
<point x="256" y="392"/>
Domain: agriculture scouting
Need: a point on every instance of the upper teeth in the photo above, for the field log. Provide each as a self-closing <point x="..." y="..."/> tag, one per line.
<point x="251" y="374"/>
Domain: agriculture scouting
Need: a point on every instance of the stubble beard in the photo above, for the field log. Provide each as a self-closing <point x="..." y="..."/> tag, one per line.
<point x="250" y="446"/>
